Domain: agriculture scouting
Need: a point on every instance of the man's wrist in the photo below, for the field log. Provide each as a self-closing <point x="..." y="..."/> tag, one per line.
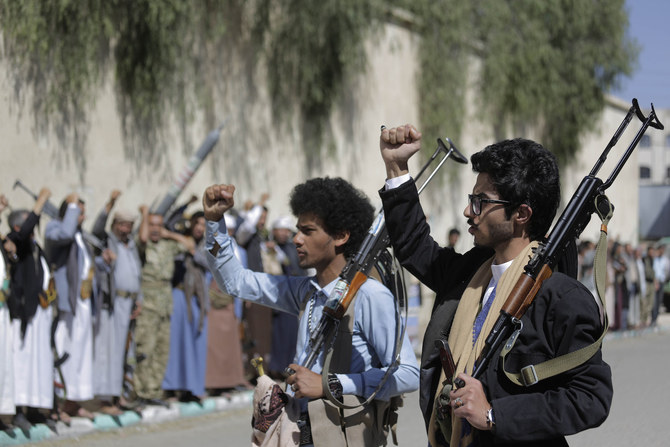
<point x="213" y="216"/>
<point x="395" y="182"/>
<point x="396" y="169"/>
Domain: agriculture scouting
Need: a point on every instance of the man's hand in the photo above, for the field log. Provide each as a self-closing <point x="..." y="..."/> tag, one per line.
<point x="470" y="402"/>
<point x="137" y="309"/>
<point x="108" y="256"/>
<point x="305" y="383"/>
<point x="192" y="199"/>
<point x="397" y="145"/>
<point x="114" y="195"/>
<point x="44" y="195"/>
<point x="72" y="198"/>
<point x="10" y="249"/>
<point x="216" y="200"/>
<point x="4" y="203"/>
<point x="264" y="198"/>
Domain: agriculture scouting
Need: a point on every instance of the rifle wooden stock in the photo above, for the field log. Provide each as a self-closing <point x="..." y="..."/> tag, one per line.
<point x="527" y="291"/>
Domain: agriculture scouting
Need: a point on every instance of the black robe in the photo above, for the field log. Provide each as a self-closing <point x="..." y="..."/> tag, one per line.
<point x="27" y="275"/>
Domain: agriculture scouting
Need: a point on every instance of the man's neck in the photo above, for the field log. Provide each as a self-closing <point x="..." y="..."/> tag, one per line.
<point x="327" y="274"/>
<point x="510" y="249"/>
<point x="121" y="239"/>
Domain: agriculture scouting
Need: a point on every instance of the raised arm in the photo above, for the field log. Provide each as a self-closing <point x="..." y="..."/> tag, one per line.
<point x="249" y="225"/>
<point x="63" y="233"/>
<point x="101" y="221"/>
<point x="143" y="233"/>
<point x="42" y="199"/>
<point x="186" y="241"/>
<point x="397" y="145"/>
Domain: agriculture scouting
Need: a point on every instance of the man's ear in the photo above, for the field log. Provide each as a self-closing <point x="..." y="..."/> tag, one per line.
<point x="341" y="238"/>
<point x="523" y="214"/>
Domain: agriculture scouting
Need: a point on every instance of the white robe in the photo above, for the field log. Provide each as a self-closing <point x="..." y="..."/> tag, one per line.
<point x="6" y="364"/>
<point x="110" y="348"/>
<point x="74" y="336"/>
<point x="6" y="359"/>
<point x="33" y="359"/>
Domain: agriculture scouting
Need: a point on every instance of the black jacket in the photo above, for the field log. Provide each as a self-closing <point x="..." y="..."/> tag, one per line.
<point x="564" y="317"/>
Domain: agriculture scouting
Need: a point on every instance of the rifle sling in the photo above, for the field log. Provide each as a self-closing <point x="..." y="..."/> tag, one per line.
<point x="532" y="374"/>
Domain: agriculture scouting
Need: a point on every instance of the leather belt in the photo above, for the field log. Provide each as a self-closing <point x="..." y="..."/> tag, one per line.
<point x="126" y="294"/>
<point x="86" y="289"/>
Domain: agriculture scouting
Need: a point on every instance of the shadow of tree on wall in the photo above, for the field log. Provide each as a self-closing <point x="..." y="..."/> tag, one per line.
<point x="171" y="60"/>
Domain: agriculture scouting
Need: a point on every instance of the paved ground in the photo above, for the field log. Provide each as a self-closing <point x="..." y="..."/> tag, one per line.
<point x="639" y="360"/>
<point x="148" y="416"/>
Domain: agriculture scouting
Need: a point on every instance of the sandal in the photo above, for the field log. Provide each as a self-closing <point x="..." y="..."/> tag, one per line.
<point x="110" y="410"/>
<point x="61" y="415"/>
<point x="84" y="413"/>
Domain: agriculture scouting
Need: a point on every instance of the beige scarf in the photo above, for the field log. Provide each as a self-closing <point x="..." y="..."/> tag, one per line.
<point x="460" y="336"/>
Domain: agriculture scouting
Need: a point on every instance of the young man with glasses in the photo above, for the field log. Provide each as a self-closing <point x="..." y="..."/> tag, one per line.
<point x="512" y="205"/>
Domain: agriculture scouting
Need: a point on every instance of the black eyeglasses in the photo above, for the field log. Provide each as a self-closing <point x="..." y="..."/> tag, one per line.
<point x="476" y="203"/>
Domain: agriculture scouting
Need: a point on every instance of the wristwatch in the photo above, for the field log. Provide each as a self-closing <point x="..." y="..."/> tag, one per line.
<point x="490" y="419"/>
<point x="335" y="386"/>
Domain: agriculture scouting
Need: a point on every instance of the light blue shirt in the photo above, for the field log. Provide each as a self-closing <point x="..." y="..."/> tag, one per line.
<point x="374" y="330"/>
<point x="126" y="268"/>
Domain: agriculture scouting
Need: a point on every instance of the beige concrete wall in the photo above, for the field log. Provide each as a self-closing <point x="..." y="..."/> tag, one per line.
<point x="254" y="152"/>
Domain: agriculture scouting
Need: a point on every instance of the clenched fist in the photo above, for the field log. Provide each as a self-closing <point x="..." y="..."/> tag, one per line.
<point x="397" y="145"/>
<point x="216" y="200"/>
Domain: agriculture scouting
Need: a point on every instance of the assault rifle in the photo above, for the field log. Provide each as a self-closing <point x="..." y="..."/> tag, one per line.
<point x="589" y="198"/>
<point x="357" y="269"/>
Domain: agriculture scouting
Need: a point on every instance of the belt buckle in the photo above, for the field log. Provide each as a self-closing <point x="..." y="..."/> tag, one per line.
<point x="529" y="375"/>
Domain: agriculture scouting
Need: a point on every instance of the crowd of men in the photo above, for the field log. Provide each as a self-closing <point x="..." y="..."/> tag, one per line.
<point x="638" y="282"/>
<point x="129" y="316"/>
<point x="125" y="315"/>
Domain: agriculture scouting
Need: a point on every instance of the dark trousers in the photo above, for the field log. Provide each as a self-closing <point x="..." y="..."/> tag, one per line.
<point x="658" y="298"/>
